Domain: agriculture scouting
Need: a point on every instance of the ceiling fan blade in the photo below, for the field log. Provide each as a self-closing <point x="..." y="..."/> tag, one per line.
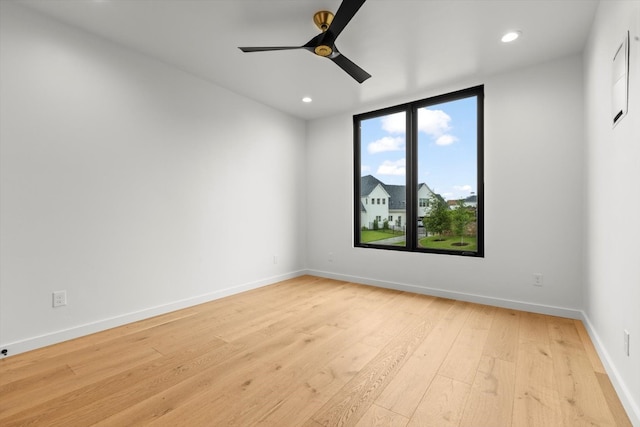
<point x="352" y="69"/>
<point x="345" y="12"/>
<point x="265" y="49"/>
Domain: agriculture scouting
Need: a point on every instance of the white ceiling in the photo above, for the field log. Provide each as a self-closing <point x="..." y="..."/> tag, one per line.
<point x="407" y="46"/>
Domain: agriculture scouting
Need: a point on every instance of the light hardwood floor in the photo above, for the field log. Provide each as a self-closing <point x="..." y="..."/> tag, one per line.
<point x="318" y="352"/>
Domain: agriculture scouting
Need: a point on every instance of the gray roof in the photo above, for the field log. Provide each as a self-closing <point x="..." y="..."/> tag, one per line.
<point x="397" y="196"/>
<point x="367" y="184"/>
<point x="397" y="193"/>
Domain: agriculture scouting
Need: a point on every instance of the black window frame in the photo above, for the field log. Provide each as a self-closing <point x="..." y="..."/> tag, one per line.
<point x="411" y="176"/>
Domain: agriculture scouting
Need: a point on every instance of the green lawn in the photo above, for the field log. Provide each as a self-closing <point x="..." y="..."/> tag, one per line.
<point x="432" y="242"/>
<point x="448" y="243"/>
<point x="367" y="236"/>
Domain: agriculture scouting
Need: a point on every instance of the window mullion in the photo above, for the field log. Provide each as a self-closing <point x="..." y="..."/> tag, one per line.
<point x="411" y="177"/>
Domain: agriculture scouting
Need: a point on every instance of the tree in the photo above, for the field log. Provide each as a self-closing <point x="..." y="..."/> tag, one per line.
<point x="461" y="217"/>
<point x="439" y="218"/>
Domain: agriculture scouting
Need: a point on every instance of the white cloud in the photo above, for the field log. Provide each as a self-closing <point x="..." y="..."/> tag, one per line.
<point x="386" y="143"/>
<point x="436" y="124"/>
<point x="395" y="123"/>
<point x="389" y="167"/>
<point x="365" y="168"/>
<point x="446" y="139"/>
<point x="433" y="122"/>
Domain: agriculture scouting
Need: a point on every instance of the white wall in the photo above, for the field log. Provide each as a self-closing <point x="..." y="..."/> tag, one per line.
<point x="533" y="199"/>
<point x="118" y="176"/>
<point x="612" y="289"/>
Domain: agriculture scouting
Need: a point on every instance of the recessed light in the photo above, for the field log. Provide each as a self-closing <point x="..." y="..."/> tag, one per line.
<point x="306" y="99"/>
<point x="511" y="36"/>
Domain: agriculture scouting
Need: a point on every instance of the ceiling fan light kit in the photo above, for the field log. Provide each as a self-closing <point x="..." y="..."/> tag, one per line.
<point x="324" y="43"/>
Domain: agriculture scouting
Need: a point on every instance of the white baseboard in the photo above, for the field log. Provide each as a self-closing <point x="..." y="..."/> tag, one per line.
<point x="478" y="299"/>
<point x="36" y="342"/>
<point x="632" y="408"/>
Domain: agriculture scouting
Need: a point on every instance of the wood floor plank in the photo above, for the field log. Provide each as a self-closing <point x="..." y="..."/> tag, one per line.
<point x="20" y="395"/>
<point x="259" y="385"/>
<point x="267" y="310"/>
<point x="536" y="395"/>
<point x="247" y="397"/>
<point x="502" y="341"/>
<point x="25" y="365"/>
<point x="99" y="360"/>
<point x="533" y="328"/>
<point x="346" y="364"/>
<point x="90" y="403"/>
<point x="406" y="389"/>
<point x="536" y="398"/>
<point x="580" y="395"/>
<point x="313" y="351"/>
<point x="350" y="404"/>
<point x="461" y="363"/>
<point x="592" y="354"/>
<point x="28" y="394"/>
<point x="310" y="395"/>
<point x="617" y="410"/>
<point x="442" y="404"/>
<point x="344" y="367"/>
<point x="377" y="416"/>
<point x="490" y="401"/>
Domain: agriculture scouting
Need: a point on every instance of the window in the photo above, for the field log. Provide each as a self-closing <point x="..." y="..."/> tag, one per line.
<point x="425" y="158"/>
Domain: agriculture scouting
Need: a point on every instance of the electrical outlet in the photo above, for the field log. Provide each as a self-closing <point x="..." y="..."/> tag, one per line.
<point x="330" y="258"/>
<point x="626" y="342"/>
<point x="538" y="279"/>
<point x="59" y="298"/>
<point x="275" y="259"/>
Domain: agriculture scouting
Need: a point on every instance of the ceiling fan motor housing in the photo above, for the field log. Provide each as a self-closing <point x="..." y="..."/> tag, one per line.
<point x="323" y="20"/>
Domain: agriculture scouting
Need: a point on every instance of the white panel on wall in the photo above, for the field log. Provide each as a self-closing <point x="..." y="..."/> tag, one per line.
<point x="620" y="81"/>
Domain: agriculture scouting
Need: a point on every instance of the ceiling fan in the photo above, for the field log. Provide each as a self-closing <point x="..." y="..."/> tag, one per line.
<point x="324" y="43"/>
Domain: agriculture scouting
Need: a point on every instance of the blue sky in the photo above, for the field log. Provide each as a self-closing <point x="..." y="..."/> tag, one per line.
<point x="446" y="148"/>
